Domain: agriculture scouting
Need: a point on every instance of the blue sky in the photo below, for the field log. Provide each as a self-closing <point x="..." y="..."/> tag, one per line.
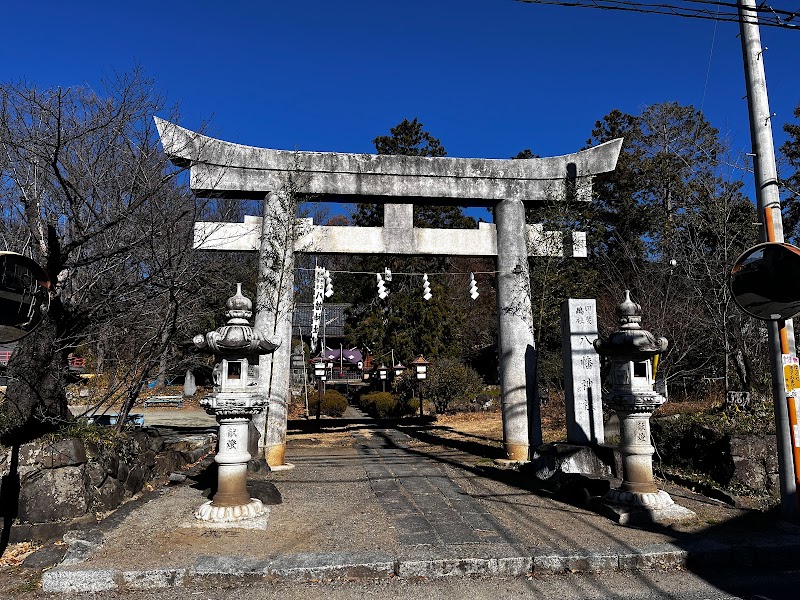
<point x="488" y="77"/>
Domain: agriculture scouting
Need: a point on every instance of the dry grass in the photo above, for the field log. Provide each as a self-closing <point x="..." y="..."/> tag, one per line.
<point x="16" y="553"/>
<point x="329" y="438"/>
<point x="189" y="403"/>
<point x="477" y="432"/>
<point x="489" y="425"/>
<point x="687" y="407"/>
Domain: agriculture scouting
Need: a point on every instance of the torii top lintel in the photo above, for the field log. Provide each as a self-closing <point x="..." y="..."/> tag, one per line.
<point x="224" y="168"/>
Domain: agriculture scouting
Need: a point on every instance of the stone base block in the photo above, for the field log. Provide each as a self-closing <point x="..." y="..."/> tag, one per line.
<point x="283" y="467"/>
<point x="553" y="460"/>
<point x="209" y="512"/>
<point x="637" y="514"/>
<point x="258" y="522"/>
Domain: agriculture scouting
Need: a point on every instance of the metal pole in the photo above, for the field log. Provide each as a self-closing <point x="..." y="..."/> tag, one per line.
<point x="305" y="371"/>
<point x="781" y="334"/>
<point x="319" y="396"/>
<point x="420" y="399"/>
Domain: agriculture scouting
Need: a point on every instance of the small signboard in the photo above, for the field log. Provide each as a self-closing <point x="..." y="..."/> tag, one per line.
<point x="740" y="400"/>
<point x="791" y="372"/>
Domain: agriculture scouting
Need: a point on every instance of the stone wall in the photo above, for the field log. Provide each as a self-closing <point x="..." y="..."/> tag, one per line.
<point x="741" y="463"/>
<point x="755" y="464"/>
<point x="47" y="485"/>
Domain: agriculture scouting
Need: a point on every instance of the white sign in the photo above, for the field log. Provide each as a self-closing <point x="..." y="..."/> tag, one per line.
<point x="319" y="298"/>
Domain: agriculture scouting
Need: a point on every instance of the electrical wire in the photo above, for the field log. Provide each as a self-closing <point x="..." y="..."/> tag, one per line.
<point x="708" y="69"/>
<point x="768" y="16"/>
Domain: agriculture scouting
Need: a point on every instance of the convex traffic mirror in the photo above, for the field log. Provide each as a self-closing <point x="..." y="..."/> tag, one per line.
<point x="765" y="281"/>
<point x="24" y="296"/>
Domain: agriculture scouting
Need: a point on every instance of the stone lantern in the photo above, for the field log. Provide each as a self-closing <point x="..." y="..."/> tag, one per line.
<point x="398" y="369"/>
<point x="420" y="366"/>
<point x="383" y="375"/>
<point x="236" y="398"/>
<point x="633" y="398"/>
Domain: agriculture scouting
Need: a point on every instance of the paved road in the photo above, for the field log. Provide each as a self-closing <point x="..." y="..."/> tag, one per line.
<point x="428" y="507"/>
<point x="172" y="417"/>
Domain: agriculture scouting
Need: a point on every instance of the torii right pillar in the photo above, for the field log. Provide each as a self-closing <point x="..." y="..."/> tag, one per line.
<point x="516" y="346"/>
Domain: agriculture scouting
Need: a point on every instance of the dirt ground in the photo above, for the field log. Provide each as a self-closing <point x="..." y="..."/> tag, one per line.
<point x="489" y="424"/>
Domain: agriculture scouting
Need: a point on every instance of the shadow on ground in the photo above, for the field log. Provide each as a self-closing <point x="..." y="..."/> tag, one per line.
<point x="753" y="539"/>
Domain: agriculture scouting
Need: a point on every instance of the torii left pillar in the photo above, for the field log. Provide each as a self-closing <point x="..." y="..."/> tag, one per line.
<point x="516" y="345"/>
<point x="274" y="297"/>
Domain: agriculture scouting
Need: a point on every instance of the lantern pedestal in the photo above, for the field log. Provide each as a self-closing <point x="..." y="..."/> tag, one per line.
<point x="637" y="501"/>
<point x="232" y="502"/>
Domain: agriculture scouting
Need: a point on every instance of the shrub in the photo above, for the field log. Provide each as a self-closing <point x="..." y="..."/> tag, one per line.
<point x="384" y="405"/>
<point x="362" y="400"/>
<point x="87" y="432"/>
<point x="405" y="385"/>
<point x="333" y="404"/>
<point x="451" y="383"/>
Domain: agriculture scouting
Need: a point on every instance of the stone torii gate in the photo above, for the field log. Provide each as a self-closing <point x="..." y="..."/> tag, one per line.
<point x="220" y="168"/>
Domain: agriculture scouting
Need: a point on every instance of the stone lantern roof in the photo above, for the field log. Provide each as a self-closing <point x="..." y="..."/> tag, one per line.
<point x="237" y="336"/>
<point x="630" y="341"/>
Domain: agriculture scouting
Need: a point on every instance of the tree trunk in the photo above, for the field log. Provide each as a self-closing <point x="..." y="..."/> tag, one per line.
<point x="743" y="369"/>
<point x="161" y="380"/>
<point x="100" y="356"/>
<point x="36" y="394"/>
<point x="158" y="355"/>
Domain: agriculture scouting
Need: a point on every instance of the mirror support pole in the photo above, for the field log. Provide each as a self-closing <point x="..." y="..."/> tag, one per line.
<point x="783" y="429"/>
<point x="768" y="203"/>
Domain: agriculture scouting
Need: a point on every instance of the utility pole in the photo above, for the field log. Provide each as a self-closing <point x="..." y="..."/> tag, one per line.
<point x="781" y="333"/>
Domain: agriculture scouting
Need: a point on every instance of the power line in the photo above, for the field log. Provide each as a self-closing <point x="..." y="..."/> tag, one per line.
<point x="704" y="9"/>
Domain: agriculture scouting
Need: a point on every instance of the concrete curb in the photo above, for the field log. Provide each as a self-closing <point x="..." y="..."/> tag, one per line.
<point x="318" y="566"/>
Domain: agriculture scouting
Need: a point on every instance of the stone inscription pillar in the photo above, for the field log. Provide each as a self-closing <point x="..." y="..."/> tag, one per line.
<point x="516" y="346"/>
<point x="584" y="403"/>
<point x="274" y="297"/>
